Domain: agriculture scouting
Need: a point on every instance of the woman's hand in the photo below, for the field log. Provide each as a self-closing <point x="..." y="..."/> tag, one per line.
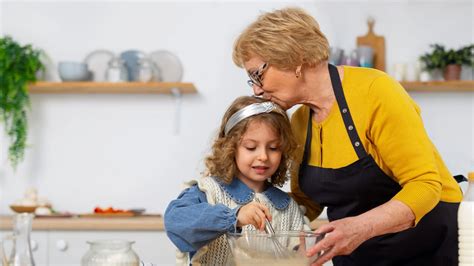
<point x="345" y="235"/>
<point x="342" y="237"/>
<point x="253" y="213"/>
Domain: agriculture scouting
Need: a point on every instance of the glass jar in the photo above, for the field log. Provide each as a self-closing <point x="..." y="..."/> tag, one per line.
<point x="117" y="72"/>
<point x="110" y="252"/>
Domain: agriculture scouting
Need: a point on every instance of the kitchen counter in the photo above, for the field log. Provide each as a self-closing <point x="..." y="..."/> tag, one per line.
<point x="139" y="223"/>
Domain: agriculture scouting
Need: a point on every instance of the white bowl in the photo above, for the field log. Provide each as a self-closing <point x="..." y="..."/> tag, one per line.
<point x="22" y="209"/>
<point x="74" y="71"/>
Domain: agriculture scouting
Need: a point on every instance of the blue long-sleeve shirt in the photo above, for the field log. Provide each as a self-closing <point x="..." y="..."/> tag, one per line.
<point x="191" y="222"/>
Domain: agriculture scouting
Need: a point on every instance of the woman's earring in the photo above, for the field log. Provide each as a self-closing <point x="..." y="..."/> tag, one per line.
<point x="298" y="72"/>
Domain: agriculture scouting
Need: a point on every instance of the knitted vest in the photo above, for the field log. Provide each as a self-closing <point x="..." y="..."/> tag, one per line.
<point x="218" y="251"/>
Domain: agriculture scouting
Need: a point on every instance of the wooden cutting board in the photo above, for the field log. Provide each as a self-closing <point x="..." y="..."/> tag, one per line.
<point x="377" y="42"/>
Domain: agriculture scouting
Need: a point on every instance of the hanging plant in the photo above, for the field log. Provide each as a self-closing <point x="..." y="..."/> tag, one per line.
<point x="18" y="67"/>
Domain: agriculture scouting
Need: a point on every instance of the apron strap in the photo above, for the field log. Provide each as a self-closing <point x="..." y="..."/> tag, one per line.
<point x="346" y="117"/>
<point x="460" y="178"/>
<point x="345" y="113"/>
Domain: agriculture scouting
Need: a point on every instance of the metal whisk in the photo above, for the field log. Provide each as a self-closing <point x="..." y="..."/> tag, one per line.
<point x="279" y="250"/>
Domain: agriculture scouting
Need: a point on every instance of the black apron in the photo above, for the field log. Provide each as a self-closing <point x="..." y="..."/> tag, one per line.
<point x="361" y="186"/>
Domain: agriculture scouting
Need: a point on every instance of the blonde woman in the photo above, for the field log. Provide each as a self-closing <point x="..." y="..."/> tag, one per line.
<point x="365" y="154"/>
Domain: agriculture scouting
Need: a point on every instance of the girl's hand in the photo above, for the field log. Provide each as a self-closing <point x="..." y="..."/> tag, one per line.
<point x="253" y="213"/>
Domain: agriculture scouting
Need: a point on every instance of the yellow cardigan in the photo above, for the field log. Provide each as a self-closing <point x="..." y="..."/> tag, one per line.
<point x="390" y="127"/>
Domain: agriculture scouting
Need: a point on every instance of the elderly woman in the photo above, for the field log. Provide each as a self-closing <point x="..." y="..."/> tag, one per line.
<point x="365" y="154"/>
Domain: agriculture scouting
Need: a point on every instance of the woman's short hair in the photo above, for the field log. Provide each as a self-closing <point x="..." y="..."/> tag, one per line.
<point x="221" y="162"/>
<point x="285" y="38"/>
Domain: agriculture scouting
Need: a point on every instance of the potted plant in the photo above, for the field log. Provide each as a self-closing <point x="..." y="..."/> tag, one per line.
<point x="18" y="67"/>
<point x="449" y="61"/>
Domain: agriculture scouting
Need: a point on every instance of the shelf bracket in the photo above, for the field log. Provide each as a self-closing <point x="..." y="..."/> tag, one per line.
<point x="178" y="96"/>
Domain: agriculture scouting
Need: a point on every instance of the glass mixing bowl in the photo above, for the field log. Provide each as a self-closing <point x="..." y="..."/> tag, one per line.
<point x="283" y="248"/>
<point x="112" y="252"/>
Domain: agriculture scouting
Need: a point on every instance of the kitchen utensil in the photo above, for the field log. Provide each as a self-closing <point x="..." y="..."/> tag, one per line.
<point x="21" y="254"/>
<point x="279" y="250"/>
<point x="169" y="65"/>
<point x="131" y="57"/>
<point x="74" y="71"/>
<point x="98" y="62"/>
<point x="110" y="252"/>
<point x="257" y="248"/>
<point x="377" y="43"/>
<point x="21" y="209"/>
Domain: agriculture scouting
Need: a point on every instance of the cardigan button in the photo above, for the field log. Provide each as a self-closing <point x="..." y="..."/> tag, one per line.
<point x="350" y="127"/>
<point x="357" y="144"/>
<point x="344" y="110"/>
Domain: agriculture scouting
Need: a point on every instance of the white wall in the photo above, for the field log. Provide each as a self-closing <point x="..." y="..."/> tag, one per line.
<point x="120" y="150"/>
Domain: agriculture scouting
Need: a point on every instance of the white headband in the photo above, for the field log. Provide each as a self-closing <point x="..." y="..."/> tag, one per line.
<point x="248" y="111"/>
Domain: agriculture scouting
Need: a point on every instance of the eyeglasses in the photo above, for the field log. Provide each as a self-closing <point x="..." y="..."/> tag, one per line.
<point x="256" y="76"/>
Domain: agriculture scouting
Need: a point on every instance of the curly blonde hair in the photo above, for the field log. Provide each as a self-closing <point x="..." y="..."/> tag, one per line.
<point x="285" y="38"/>
<point x="221" y="162"/>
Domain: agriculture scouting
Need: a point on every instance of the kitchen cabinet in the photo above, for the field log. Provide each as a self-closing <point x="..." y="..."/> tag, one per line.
<point x="58" y="248"/>
<point x="63" y="241"/>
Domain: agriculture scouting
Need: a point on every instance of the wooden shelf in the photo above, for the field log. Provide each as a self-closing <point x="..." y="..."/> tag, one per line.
<point x="440" y="86"/>
<point x="112" y="87"/>
<point x="138" y="223"/>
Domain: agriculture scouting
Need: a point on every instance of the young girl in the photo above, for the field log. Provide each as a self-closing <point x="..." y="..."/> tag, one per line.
<point x="251" y="155"/>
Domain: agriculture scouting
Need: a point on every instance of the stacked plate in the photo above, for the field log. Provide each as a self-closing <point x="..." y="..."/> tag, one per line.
<point x="168" y="64"/>
<point x="98" y="62"/>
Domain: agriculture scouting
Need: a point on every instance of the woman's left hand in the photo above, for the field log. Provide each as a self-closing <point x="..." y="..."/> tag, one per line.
<point x="342" y="237"/>
<point x="345" y="235"/>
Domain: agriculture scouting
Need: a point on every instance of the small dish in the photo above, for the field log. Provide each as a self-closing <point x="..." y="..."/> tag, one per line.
<point x="74" y="71"/>
<point x="97" y="62"/>
<point x="21" y="209"/>
<point x="168" y="64"/>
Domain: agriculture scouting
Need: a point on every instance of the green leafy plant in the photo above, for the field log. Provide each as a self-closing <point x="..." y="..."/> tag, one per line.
<point x="18" y="67"/>
<point x="440" y="57"/>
